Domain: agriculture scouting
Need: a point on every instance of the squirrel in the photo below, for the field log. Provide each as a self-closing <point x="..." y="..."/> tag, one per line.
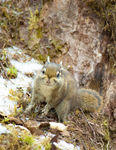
<point x="56" y="86"/>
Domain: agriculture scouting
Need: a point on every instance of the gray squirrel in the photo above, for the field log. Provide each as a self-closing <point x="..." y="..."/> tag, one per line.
<point x="57" y="87"/>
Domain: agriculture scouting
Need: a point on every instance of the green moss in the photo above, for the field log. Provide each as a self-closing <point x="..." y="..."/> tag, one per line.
<point x="12" y="141"/>
<point x="105" y="126"/>
<point x="16" y="95"/>
<point x="34" y="23"/>
<point x="5" y="120"/>
<point x="6" y="68"/>
<point x="39" y="33"/>
<point x="42" y="58"/>
<point x="33" y="20"/>
<point x="4" y="60"/>
<point x="59" y="47"/>
<point x="3" y="55"/>
<point x="57" y="44"/>
<point x="56" y="48"/>
<point x="10" y="19"/>
<point x="46" y="143"/>
<point x="28" y="139"/>
<point x="22" y="140"/>
<point x="12" y="72"/>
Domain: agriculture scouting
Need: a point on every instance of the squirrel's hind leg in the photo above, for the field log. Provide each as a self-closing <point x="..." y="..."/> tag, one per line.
<point x="62" y="110"/>
<point x="29" y="108"/>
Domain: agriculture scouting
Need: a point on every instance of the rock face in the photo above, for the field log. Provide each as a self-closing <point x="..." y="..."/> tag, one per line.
<point x="82" y="46"/>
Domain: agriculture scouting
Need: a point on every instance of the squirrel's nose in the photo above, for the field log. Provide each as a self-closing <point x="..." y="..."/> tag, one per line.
<point x="48" y="81"/>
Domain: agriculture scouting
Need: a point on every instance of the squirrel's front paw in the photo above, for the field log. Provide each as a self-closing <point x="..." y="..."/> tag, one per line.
<point x="45" y="110"/>
<point x="27" y="111"/>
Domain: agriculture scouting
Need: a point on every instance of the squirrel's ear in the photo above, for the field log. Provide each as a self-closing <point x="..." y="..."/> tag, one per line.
<point x="48" y="60"/>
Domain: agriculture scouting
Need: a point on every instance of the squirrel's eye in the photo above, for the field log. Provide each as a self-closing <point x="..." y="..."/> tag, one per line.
<point x="58" y="74"/>
<point x="43" y="71"/>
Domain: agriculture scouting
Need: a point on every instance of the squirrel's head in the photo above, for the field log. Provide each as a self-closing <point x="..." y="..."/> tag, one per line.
<point x="51" y="74"/>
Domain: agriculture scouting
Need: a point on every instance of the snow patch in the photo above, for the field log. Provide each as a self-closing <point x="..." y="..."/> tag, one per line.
<point x="3" y="130"/>
<point x="24" y="64"/>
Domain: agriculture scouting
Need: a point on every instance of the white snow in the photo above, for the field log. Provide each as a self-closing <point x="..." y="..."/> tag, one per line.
<point x="24" y="64"/>
<point x="3" y="129"/>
